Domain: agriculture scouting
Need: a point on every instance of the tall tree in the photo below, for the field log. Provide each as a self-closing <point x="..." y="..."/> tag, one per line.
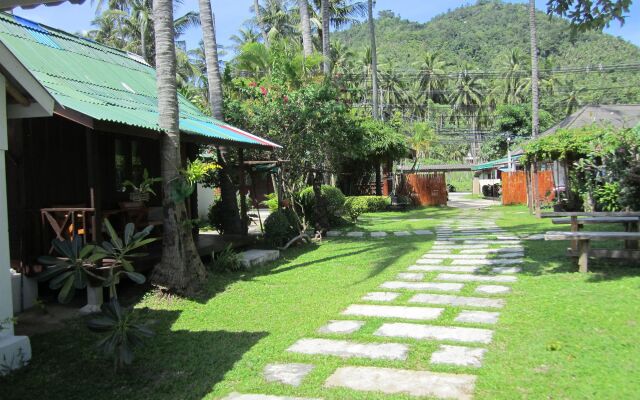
<point x="535" y="99"/>
<point x="256" y="10"/>
<point x="326" y="44"/>
<point x="180" y="268"/>
<point x="374" y="62"/>
<point x="208" y="23"/>
<point x="590" y="14"/>
<point x="230" y="217"/>
<point x="305" y="23"/>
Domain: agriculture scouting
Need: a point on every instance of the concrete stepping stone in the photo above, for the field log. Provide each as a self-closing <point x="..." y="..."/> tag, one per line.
<point x="439" y="251"/>
<point x="240" y="396"/>
<point x="458" y="355"/>
<point x="378" y="234"/>
<point x="410" y="276"/>
<point x="459" y="301"/>
<point x="478" y="317"/>
<point x="334" y="233"/>
<point x="433" y="332"/>
<point x="380" y="296"/>
<point x="442" y="268"/>
<point x="518" y="254"/>
<point x="402" y="233"/>
<point x="355" y="234"/>
<point x="440" y="287"/>
<point x="506" y="270"/>
<point x="453" y="246"/>
<point x="367" y="310"/>
<point x="348" y="349"/>
<point x="341" y="327"/>
<point x="489" y="261"/>
<point x="456" y="256"/>
<point x="493" y="251"/>
<point x="288" y="374"/>
<point x="425" y="261"/>
<point x="475" y="278"/>
<point x="509" y="238"/>
<point x="402" y="381"/>
<point x="491" y="241"/>
<point x="423" y="232"/>
<point x="492" y="289"/>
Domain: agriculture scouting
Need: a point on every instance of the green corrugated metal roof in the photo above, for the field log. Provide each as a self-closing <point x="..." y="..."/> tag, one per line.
<point x="494" y="163"/>
<point x="103" y="83"/>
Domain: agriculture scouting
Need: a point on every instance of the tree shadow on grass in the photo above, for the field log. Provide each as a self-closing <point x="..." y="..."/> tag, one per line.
<point x="176" y="364"/>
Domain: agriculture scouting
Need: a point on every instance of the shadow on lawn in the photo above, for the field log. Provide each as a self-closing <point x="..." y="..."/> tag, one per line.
<point x="173" y="364"/>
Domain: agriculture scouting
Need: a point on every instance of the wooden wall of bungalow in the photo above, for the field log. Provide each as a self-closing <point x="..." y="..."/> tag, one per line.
<point x="54" y="162"/>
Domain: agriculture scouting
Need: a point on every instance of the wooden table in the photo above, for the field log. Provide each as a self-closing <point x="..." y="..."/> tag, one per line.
<point x="73" y="219"/>
<point x="584" y="239"/>
<point x="625" y="217"/>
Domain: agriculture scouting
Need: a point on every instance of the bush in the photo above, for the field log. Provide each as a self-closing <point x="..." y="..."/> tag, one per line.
<point x="334" y="199"/>
<point x="227" y="260"/>
<point x="358" y="205"/>
<point x="281" y="226"/>
<point x="271" y="202"/>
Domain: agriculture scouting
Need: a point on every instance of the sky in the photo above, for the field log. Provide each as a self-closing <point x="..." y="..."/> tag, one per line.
<point x="230" y="16"/>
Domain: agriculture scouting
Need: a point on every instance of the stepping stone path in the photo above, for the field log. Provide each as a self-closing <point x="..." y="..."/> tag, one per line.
<point x="469" y="251"/>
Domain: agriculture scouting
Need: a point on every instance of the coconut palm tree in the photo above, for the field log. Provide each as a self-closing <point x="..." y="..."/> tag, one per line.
<point x="180" y="268"/>
<point x="513" y="84"/>
<point x="245" y="35"/>
<point x="374" y="61"/>
<point x="278" y="19"/>
<point x="535" y="99"/>
<point x="326" y="44"/>
<point x="256" y="10"/>
<point x="431" y="80"/>
<point x="392" y="90"/>
<point x="305" y="27"/>
<point x="570" y="100"/>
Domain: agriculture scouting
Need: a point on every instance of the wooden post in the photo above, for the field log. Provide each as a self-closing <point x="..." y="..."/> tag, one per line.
<point x="536" y="195"/>
<point x="574" y="228"/>
<point x="94" y="184"/>
<point x="389" y="177"/>
<point x="243" y="198"/>
<point x="583" y="260"/>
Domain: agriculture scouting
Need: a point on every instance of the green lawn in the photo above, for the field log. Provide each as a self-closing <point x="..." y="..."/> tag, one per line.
<point x="562" y="335"/>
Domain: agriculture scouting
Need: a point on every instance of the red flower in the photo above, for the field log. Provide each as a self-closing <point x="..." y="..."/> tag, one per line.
<point x="263" y="90"/>
<point x="285" y="98"/>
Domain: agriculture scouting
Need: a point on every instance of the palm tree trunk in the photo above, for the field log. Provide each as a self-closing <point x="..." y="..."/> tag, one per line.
<point x="208" y="24"/>
<point x="231" y="217"/>
<point x="180" y="269"/>
<point x="256" y="9"/>
<point x="535" y="100"/>
<point x="374" y="63"/>
<point x="326" y="44"/>
<point x="305" y="22"/>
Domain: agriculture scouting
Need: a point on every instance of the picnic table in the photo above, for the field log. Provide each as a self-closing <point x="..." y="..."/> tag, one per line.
<point x="630" y="220"/>
<point x="584" y="239"/>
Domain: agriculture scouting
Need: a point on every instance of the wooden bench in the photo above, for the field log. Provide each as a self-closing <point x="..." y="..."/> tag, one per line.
<point x="584" y="239"/>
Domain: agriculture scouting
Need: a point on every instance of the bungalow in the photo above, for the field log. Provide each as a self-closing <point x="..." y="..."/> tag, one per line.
<point x="80" y="120"/>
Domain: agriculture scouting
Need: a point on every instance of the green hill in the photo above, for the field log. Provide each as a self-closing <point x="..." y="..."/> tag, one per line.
<point x="479" y="34"/>
<point x="482" y="34"/>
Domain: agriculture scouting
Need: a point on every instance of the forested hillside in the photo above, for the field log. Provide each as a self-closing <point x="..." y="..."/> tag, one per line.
<point x="484" y="34"/>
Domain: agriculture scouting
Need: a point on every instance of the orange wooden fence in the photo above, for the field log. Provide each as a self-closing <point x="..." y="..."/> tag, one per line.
<point x="514" y="187"/>
<point x="426" y="189"/>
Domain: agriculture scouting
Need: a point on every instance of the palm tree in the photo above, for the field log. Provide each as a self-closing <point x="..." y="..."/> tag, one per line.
<point x="374" y="61"/>
<point x="256" y="10"/>
<point x="326" y="45"/>
<point x="180" y="268"/>
<point x="570" y="100"/>
<point x="393" y="90"/>
<point x="466" y="101"/>
<point x="341" y="12"/>
<point x="513" y="84"/>
<point x="341" y="58"/>
<point x="278" y="20"/>
<point x="535" y="100"/>
<point x="245" y="35"/>
<point x="305" y="25"/>
<point x="431" y="82"/>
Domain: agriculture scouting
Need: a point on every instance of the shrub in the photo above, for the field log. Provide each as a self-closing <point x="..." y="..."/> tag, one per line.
<point x="227" y="260"/>
<point x="281" y="226"/>
<point x="271" y="202"/>
<point x="358" y="205"/>
<point x="333" y="196"/>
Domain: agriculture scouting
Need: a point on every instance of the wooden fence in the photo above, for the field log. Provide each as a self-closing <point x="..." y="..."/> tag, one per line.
<point x="426" y="189"/>
<point x="514" y="187"/>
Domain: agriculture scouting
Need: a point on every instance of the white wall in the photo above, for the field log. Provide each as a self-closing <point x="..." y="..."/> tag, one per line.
<point x="14" y="350"/>
<point x="205" y="200"/>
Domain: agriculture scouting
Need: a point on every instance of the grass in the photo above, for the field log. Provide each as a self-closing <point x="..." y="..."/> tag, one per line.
<point x="563" y="335"/>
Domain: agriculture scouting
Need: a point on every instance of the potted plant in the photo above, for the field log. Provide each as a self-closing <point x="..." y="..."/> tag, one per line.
<point x="143" y="191"/>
